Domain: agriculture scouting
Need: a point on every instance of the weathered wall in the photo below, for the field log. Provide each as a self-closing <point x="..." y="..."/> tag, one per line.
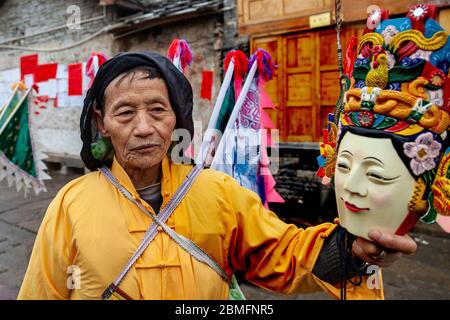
<point x="205" y="36"/>
<point x="22" y="18"/>
<point x="59" y="131"/>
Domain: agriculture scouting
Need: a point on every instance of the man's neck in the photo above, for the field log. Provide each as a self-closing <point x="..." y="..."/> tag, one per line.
<point x="142" y="178"/>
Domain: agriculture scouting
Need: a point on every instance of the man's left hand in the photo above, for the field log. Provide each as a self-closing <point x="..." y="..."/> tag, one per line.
<point x="384" y="249"/>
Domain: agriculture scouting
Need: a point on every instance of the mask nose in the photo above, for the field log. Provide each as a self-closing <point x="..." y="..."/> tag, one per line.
<point x="355" y="182"/>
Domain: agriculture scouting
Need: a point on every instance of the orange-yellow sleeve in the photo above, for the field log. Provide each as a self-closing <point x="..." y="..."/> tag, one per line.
<point x="47" y="274"/>
<point x="279" y="256"/>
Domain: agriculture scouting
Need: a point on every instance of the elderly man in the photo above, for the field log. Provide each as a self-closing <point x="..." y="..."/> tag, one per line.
<point x="96" y="222"/>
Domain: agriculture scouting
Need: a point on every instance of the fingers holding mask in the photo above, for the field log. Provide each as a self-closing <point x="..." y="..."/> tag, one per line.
<point x="374" y="254"/>
<point x="383" y="249"/>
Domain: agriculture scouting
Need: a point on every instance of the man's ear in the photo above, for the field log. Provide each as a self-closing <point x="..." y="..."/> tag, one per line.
<point x="98" y="118"/>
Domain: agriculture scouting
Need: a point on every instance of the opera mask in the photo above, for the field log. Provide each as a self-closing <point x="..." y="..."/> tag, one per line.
<point x="387" y="151"/>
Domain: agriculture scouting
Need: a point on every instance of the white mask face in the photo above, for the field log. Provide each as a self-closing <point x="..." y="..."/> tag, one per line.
<point x="373" y="186"/>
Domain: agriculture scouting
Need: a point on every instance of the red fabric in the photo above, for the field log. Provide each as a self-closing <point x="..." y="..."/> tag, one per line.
<point x="429" y="72"/>
<point x="42" y="98"/>
<point x="366" y="50"/>
<point x="266" y="121"/>
<point x="350" y="56"/>
<point x="240" y="62"/>
<point x="28" y="65"/>
<point x="418" y="23"/>
<point x="180" y="47"/>
<point x="90" y="72"/>
<point x="410" y="221"/>
<point x="407" y="49"/>
<point x="185" y="54"/>
<point x="173" y="49"/>
<point x="45" y="72"/>
<point x="207" y="81"/>
<point x="75" y="87"/>
<point x="320" y="173"/>
<point x="401" y="125"/>
<point x="446" y="106"/>
<point x="240" y="68"/>
<point x="35" y="87"/>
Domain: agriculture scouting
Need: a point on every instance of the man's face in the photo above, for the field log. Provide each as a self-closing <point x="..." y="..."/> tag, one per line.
<point x="139" y="120"/>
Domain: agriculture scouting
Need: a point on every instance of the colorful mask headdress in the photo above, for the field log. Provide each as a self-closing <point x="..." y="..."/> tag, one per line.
<point x="399" y="88"/>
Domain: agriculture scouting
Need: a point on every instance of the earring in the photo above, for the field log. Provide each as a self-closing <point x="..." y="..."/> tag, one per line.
<point x="102" y="148"/>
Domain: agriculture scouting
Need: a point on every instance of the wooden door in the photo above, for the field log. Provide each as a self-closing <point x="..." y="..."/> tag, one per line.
<point x="274" y="86"/>
<point x="299" y="52"/>
<point x="328" y="72"/>
<point x="306" y="86"/>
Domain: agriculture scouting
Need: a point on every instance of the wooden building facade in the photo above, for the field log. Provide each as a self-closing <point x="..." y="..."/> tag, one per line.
<point x="301" y="37"/>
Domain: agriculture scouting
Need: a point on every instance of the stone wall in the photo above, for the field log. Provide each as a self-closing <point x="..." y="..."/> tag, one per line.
<point x="23" y="18"/>
<point x="209" y="38"/>
<point x="58" y="127"/>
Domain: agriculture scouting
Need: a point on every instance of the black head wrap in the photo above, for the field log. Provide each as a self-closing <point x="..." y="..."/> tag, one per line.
<point x="180" y="93"/>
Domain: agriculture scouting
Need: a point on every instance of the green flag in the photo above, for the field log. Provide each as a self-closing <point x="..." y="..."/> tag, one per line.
<point x="226" y="109"/>
<point x="20" y="162"/>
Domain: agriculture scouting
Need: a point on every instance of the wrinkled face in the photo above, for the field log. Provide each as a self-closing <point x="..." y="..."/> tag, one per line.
<point x="373" y="186"/>
<point x="139" y="120"/>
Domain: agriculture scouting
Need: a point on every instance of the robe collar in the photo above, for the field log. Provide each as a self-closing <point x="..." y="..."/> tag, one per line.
<point x="123" y="178"/>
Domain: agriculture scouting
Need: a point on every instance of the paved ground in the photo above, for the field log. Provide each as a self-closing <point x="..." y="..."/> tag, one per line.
<point x="423" y="276"/>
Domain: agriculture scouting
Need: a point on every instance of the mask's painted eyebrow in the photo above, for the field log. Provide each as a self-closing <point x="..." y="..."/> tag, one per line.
<point x="375" y="159"/>
<point x="391" y="179"/>
<point x="346" y="151"/>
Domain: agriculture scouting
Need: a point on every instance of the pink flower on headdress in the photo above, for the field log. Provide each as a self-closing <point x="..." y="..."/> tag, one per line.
<point x="390" y="60"/>
<point x="388" y="33"/>
<point x="423" y="152"/>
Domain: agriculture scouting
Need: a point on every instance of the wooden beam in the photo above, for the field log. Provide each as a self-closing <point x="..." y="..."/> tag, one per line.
<point x="131" y="5"/>
<point x="288" y="25"/>
<point x="353" y="11"/>
<point x="356" y="10"/>
<point x="124" y="31"/>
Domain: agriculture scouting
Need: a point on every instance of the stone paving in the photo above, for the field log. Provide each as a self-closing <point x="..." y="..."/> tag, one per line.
<point x="422" y="276"/>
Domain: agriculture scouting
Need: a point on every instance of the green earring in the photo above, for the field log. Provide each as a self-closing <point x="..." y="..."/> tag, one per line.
<point x="102" y="149"/>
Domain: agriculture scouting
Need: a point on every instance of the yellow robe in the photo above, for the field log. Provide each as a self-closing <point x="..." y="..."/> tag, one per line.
<point x="90" y="231"/>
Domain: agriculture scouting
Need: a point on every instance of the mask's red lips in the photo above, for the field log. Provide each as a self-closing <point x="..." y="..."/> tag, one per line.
<point x="353" y="208"/>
